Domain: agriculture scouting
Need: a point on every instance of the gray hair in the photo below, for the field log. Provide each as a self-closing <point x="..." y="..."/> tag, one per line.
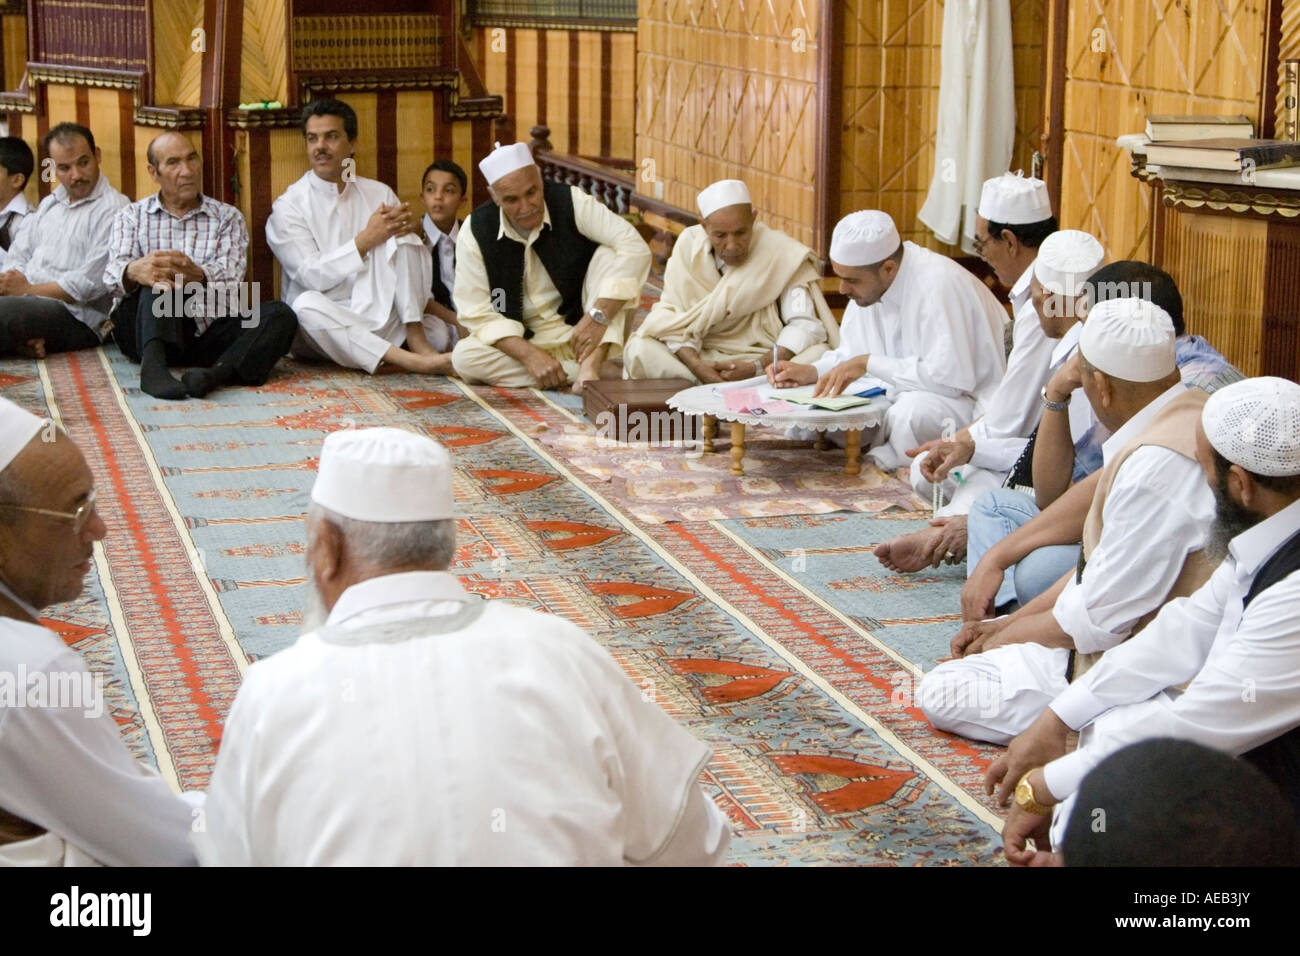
<point x="402" y="544"/>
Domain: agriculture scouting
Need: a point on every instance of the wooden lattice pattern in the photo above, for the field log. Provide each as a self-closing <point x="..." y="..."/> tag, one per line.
<point x="177" y="75"/>
<point x="263" y="75"/>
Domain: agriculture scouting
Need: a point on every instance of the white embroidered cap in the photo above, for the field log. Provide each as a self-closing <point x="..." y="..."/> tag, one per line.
<point x="1065" y="261"/>
<point x="384" y="475"/>
<point x="1131" y="339"/>
<point x="504" y="160"/>
<point x="1255" y="423"/>
<point x="1013" y="199"/>
<point x="723" y="193"/>
<point x="17" y="427"/>
<point x="864" y="238"/>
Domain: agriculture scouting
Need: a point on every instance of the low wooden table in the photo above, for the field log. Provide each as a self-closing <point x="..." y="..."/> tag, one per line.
<point x="707" y="402"/>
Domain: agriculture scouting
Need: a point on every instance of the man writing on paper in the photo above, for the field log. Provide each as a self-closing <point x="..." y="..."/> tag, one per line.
<point x="546" y="276"/>
<point x="920" y="323"/>
<point x="733" y="289"/>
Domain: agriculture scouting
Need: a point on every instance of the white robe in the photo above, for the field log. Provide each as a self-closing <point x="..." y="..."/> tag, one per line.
<point x="506" y="738"/>
<point x="975" y="131"/>
<point x="65" y="768"/>
<point x="351" y="309"/>
<point x="936" y="339"/>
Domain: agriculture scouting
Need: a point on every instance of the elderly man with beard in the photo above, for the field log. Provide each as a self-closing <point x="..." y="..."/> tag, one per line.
<point x="421" y="724"/>
<point x="1234" y="644"/>
<point x="70" y="792"/>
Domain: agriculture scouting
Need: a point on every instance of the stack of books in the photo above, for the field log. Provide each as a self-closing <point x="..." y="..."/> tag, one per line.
<point x="1220" y="149"/>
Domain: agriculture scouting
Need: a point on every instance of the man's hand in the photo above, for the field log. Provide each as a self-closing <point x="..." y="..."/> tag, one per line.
<point x="981" y="590"/>
<point x="1065" y="380"/>
<point x="1043" y="742"/>
<point x="783" y="374"/>
<point x="13" y="282"/>
<point x="973" y="635"/>
<point x="840" y="377"/>
<point x="944" y="457"/>
<point x="1020" y="827"/>
<point x="949" y="546"/>
<point x="586" y="336"/>
<point x="385" y="223"/>
<point x="735" y="371"/>
<point x="548" y="372"/>
<point x="158" y="270"/>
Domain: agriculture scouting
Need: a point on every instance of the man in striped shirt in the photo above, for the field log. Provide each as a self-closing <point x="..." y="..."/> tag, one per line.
<point x="176" y="266"/>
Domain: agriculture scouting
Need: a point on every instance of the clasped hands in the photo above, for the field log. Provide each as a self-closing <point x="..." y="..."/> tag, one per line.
<point x="164" y="269"/>
<point x="385" y="223"/>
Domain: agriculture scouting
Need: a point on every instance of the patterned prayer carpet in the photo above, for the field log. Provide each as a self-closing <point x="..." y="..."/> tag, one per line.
<point x="778" y="640"/>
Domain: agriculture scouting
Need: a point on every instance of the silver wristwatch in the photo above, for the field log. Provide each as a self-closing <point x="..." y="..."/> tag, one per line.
<point x="598" y="316"/>
<point x="1052" y="406"/>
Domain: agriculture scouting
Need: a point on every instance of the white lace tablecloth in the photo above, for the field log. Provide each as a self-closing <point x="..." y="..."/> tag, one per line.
<point x="706" y="400"/>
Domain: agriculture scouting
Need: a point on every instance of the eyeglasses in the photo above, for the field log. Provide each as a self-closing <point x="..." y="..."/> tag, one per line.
<point x="978" y="243"/>
<point x="79" y="518"/>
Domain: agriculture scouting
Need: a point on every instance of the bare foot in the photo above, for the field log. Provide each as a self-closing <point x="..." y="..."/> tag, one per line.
<point x="909" y="552"/>
<point x="432" y="363"/>
<point x="591" y="371"/>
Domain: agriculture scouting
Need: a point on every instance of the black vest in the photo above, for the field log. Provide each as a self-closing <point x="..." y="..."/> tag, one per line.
<point x="1279" y="759"/>
<point x="441" y="294"/>
<point x="564" y="252"/>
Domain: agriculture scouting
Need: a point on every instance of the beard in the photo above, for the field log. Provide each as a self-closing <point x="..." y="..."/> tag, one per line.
<point x="314" y="612"/>
<point x="1230" y="520"/>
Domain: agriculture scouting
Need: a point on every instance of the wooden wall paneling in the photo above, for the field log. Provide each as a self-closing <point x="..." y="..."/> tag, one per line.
<point x="1287" y="27"/>
<point x="523" y="103"/>
<point x="107" y="127"/>
<point x="264" y="66"/>
<point x="366" y="107"/>
<point x="1280" y="331"/>
<point x="414" y="142"/>
<point x="13" y="34"/>
<point x="555" y="70"/>
<point x="177" y="66"/>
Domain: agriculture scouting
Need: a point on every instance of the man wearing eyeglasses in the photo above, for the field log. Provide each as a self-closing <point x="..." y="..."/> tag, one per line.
<point x="70" y="791"/>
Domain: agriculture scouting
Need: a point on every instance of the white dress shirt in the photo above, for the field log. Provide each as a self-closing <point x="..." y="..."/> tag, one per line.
<point x="1244" y="667"/>
<point x="14" y="213"/>
<point x="65" y="767"/>
<point x="443" y="245"/>
<point x="510" y="738"/>
<point x="1082" y="417"/>
<point x="1157" y="512"/>
<point x="67" y="242"/>
<point x="1001" y="434"/>
<point x="936" y="329"/>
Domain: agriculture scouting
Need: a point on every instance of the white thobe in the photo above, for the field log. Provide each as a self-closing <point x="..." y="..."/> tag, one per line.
<point x="64" y="767"/>
<point x="1156" y="514"/>
<point x="1002" y="433"/>
<point x="506" y="738"/>
<point x="1243" y="665"/>
<point x="976" y="126"/>
<point x="351" y="309"/>
<point x="15" y="213"/>
<point x="936" y="339"/>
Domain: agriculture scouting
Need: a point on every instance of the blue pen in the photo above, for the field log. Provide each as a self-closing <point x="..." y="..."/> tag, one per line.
<point x="774" y="361"/>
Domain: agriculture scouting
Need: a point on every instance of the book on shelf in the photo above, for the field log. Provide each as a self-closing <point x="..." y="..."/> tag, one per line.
<point x="1225" y="153"/>
<point x="1281" y="177"/>
<point x="1169" y="129"/>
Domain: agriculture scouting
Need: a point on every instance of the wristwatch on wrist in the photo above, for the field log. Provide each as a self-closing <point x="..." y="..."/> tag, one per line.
<point x="1025" y="798"/>
<point x="758" y="367"/>
<point x="598" y="316"/>
<point x="1052" y="406"/>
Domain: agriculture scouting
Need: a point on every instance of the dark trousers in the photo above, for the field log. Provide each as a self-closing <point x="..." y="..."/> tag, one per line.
<point x="251" y="352"/>
<point x="27" y="317"/>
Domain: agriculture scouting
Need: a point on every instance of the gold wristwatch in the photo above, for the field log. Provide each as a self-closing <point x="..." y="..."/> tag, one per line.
<point x="1025" y="797"/>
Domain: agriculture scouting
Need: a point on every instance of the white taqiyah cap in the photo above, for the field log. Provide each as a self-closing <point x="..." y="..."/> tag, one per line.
<point x="723" y="193"/>
<point x="864" y="238"/>
<point x="504" y="160"/>
<point x="1131" y="339"/>
<point x="1065" y="261"/>
<point x="1255" y="423"/>
<point x="17" y="427"/>
<point x="384" y="475"/>
<point x="1013" y="199"/>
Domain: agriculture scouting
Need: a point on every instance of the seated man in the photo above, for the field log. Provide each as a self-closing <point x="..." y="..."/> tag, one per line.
<point x="733" y="289"/>
<point x="16" y="166"/>
<point x="421" y="724"/>
<point x="1141" y="537"/>
<point x="355" y="271"/>
<point x="1221" y="668"/>
<point x="70" y="791"/>
<point x="177" y="260"/>
<point x="1065" y="259"/>
<point x="442" y="191"/>
<point x="997" y="552"/>
<point x="920" y="323"/>
<point x="546" y="277"/>
<point x="53" y="297"/>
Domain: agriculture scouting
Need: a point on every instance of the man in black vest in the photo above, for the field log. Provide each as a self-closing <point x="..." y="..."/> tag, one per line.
<point x="1236" y="639"/>
<point x="545" y="278"/>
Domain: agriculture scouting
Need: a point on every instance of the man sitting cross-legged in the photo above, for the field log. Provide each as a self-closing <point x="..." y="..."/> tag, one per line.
<point x="1141" y="537"/>
<point x="733" y="290"/>
<point x="416" y="723"/>
<point x="975" y="460"/>
<point x="1219" y="668"/>
<point x="920" y="323"/>
<point x="546" y="277"/>
<point x="178" y="260"/>
<point x="53" y="297"/>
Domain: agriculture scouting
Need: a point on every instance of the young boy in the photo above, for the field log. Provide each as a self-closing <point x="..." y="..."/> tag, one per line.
<point x="443" y="192"/>
<point x="16" y="165"/>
